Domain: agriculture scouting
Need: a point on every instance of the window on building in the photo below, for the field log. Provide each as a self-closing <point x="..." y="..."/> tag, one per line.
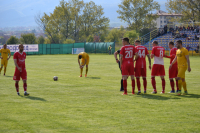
<point x="164" y="21"/>
<point x="161" y="26"/>
<point x="160" y="17"/>
<point x="160" y="21"/>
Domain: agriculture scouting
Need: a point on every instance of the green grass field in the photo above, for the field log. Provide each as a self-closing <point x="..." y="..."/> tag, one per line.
<point x="93" y="104"/>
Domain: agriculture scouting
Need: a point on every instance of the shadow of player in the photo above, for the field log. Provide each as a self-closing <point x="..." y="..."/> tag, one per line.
<point x="8" y="76"/>
<point x="191" y="96"/>
<point x="158" y="97"/>
<point x="93" y="77"/>
<point x="34" y="98"/>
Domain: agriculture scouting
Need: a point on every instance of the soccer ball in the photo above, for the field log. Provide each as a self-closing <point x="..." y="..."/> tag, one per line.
<point x="55" y="78"/>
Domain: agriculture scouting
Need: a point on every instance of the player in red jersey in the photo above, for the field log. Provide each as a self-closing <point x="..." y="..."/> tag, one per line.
<point x="20" y="69"/>
<point x="158" y="69"/>
<point x="127" y="64"/>
<point x="140" y="66"/>
<point x="173" y="72"/>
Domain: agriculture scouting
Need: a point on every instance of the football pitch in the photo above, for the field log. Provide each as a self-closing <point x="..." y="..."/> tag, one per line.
<point x="94" y="104"/>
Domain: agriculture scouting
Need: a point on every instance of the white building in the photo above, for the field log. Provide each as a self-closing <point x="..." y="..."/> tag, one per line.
<point x="163" y="18"/>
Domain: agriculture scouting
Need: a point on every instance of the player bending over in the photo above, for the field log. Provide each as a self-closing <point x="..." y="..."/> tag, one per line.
<point x="20" y="69"/>
<point x="140" y="66"/>
<point x="174" y="70"/>
<point x="158" y="66"/>
<point x="4" y="58"/>
<point x="115" y="55"/>
<point x="84" y="61"/>
<point x="182" y="58"/>
<point x="127" y="64"/>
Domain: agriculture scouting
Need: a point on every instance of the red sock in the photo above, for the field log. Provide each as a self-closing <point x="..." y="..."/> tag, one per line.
<point x="153" y="82"/>
<point x="177" y="88"/>
<point x="133" y="86"/>
<point x="172" y="84"/>
<point x="145" y="84"/>
<point x="17" y="87"/>
<point x="25" y="86"/>
<point x="163" y="85"/>
<point x="125" y="86"/>
<point x="138" y="84"/>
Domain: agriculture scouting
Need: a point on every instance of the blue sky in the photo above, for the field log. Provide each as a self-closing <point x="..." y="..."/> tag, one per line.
<point x="21" y="12"/>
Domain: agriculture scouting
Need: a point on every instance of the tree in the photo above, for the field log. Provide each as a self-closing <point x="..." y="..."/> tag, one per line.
<point x="69" y="41"/>
<point x="90" y="38"/>
<point x="190" y="9"/>
<point x="132" y="35"/>
<point x="115" y="35"/>
<point x="47" y="41"/>
<point x="138" y="13"/>
<point x="28" y="38"/>
<point x="40" y="40"/>
<point x="13" y="40"/>
<point x="72" y="19"/>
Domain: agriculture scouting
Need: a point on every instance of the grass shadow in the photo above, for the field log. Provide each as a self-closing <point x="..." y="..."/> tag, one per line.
<point x="191" y="96"/>
<point x="158" y="97"/>
<point x="93" y="77"/>
<point x="8" y="76"/>
<point x="34" y="98"/>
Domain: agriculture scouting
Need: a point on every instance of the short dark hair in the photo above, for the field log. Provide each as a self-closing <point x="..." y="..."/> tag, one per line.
<point x="126" y="39"/>
<point x="171" y="43"/>
<point x="179" y="42"/>
<point x="80" y="56"/>
<point x="137" y="41"/>
<point x="155" y="42"/>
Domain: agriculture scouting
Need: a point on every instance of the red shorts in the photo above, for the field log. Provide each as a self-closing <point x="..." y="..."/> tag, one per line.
<point x="19" y="74"/>
<point x="141" y="72"/>
<point x="158" y="70"/>
<point x="173" y="72"/>
<point x="127" y="69"/>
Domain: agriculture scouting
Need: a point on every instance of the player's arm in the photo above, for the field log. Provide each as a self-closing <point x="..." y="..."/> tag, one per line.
<point x="174" y="61"/>
<point x="188" y="62"/>
<point x="136" y="56"/>
<point x="1" y="55"/>
<point x="171" y="56"/>
<point x="15" y="61"/>
<point x="121" y="57"/>
<point x="9" y="55"/>
<point x="115" y="55"/>
<point x="149" y="59"/>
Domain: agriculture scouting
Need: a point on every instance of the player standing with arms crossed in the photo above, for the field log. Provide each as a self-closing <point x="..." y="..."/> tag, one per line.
<point x="182" y="58"/>
<point x="140" y="65"/>
<point x="127" y="64"/>
<point x="20" y="69"/>
<point x="174" y="70"/>
<point x="158" y="66"/>
<point x="115" y="55"/>
<point x="4" y="58"/>
<point x="84" y="61"/>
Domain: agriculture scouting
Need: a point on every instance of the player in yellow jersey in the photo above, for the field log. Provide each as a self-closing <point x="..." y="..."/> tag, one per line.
<point x="182" y="58"/>
<point x="84" y="61"/>
<point x="4" y="57"/>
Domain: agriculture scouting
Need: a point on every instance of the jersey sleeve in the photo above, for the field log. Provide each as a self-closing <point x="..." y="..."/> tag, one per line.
<point x="122" y="51"/>
<point x="15" y="56"/>
<point x="146" y="51"/>
<point x="9" y="51"/>
<point x="0" y="51"/>
<point x="153" y="51"/>
<point x="186" y="52"/>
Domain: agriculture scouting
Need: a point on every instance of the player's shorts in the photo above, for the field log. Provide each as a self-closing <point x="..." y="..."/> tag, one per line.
<point x="19" y="74"/>
<point x="83" y="61"/>
<point x="140" y="72"/>
<point x="173" y="72"/>
<point x="4" y="63"/>
<point x="181" y="72"/>
<point x="127" y="69"/>
<point x="158" y="70"/>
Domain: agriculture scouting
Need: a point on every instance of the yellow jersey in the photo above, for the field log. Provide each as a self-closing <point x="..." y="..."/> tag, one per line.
<point x="4" y="53"/>
<point x="181" y="59"/>
<point x="84" y="55"/>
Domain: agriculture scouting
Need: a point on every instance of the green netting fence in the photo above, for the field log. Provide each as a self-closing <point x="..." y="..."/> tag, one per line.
<point x="90" y="47"/>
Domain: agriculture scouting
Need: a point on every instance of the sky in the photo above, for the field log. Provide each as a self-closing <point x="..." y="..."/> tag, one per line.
<point x="15" y="13"/>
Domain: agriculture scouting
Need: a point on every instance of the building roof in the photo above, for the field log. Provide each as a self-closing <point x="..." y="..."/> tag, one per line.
<point x="162" y="13"/>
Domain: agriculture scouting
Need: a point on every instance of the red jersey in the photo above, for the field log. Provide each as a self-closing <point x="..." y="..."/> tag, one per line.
<point x="128" y="51"/>
<point x="158" y="53"/>
<point x="173" y="54"/>
<point x="20" y="57"/>
<point x="142" y="52"/>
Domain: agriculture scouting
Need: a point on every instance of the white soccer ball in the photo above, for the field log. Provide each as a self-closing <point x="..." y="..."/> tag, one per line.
<point x="55" y="78"/>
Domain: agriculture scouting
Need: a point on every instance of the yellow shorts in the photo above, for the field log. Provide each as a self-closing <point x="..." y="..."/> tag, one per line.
<point x="4" y="63"/>
<point x="83" y="61"/>
<point x="181" y="72"/>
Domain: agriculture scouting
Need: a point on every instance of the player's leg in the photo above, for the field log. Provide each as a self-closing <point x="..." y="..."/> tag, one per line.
<point x="180" y="76"/>
<point x="17" y="87"/>
<point x="163" y="84"/>
<point x="137" y="75"/>
<point x="172" y="85"/>
<point x="5" y="66"/>
<point x="2" y="62"/>
<point x="81" y="69"/>
<point x="133" y="84"/>
<point x="87" y="63"/>
<point x="144" y="75"/>
<point x="122" y="88"/>
<point x="24" y="78"/>
<point x="131" y="72"/>
<point x="125" y="84"/>
<point x="153" y="81"/>
<point x="184" y="87"/>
